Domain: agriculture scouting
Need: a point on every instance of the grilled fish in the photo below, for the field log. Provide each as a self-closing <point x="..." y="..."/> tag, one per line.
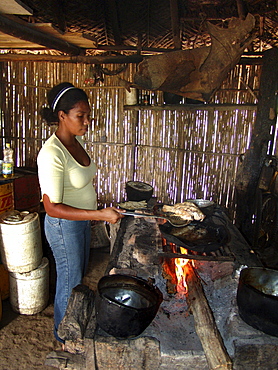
<point x="186" y="210"/>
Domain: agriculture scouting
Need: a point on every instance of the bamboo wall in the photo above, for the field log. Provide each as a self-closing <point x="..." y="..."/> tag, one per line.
<point x="190" y="152"/>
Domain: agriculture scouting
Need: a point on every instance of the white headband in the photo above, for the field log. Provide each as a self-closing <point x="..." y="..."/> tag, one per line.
<point x="59" y="95"/>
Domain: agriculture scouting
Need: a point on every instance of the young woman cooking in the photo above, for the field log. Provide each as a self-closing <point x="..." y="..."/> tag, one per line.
<point x="65" y="174"/>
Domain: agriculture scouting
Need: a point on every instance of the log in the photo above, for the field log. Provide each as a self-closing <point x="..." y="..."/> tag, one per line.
<point x="64" y="360"/>
<point x="141" y="353"/>
<point x="90" y="354"/>
<point x="212" y="342"/>
<point x="79" y="311"/>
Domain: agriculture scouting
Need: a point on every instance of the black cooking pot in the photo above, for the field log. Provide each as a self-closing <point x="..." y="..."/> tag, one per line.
<point x="257" y="299"/>
<point x="138" y="190"/>
<point x="170" y="98"/>
<point x="126" y="305"/>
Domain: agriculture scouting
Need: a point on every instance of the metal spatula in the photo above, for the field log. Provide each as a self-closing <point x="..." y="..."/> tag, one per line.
<point x="174" y="220"/>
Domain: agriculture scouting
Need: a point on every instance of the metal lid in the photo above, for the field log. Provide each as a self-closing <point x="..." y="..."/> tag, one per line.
<point x="15" y="217"/>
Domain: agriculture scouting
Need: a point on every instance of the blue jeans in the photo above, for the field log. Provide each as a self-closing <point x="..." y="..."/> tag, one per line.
<point x="70" y="244"/>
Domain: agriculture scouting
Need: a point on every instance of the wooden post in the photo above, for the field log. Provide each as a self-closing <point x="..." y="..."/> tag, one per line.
<point x="213" y="346"/>
<point x="249" y="170"/>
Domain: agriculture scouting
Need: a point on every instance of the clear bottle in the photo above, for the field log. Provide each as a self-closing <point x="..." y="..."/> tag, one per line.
<point x="8" y="162"/>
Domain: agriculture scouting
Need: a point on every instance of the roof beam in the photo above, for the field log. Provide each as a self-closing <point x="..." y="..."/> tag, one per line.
<point x="113" y="15"/>
<point x="15" y="7"/>
<point x="241" y="9"/>
<point x="98" y="59"/>
<point x="175" y="21"/>
<point x="88" y="59"/>
<point x="26" y="33"/>
<point x="58" y="10"/>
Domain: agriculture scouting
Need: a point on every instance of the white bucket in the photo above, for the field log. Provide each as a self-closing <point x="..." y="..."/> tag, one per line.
<point x="20" y="241"/>
<point x="29" y="291"/>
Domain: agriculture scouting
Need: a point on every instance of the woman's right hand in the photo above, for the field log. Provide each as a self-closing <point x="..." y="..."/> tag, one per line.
<point x="110" y="214"/>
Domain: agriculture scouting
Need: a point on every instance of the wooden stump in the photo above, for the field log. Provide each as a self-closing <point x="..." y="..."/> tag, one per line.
<point x="79" y="312"/>
<point x="64" y="360"/>
<point x="129" y="354"/>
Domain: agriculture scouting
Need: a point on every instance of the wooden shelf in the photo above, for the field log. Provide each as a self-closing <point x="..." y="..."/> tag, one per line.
<point x="4" y="179"/>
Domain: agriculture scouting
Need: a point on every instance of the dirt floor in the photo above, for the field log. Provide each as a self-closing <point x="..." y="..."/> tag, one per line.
<point x="25" y="341"/>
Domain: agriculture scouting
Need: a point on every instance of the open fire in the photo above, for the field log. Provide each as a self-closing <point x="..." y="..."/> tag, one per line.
<point x="180" y="271"/>
<point x="175" y="271"/>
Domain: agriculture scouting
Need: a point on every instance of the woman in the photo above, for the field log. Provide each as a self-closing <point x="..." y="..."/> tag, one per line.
<point x="65" y="175"/>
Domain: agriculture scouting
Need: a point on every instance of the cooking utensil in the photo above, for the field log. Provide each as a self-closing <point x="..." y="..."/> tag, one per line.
<point x="126" y="305"/>
<point x="216" y="236"/>
<point x="257" y="298"/>
<point x="206" y="206"/>
<point x="175" y="221"/>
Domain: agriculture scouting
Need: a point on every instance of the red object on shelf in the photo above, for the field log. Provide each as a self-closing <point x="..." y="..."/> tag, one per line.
<point x="27" y="193"/>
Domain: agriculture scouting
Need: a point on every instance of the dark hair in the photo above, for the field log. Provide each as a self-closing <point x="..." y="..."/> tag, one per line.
<point x="65" y="103"/>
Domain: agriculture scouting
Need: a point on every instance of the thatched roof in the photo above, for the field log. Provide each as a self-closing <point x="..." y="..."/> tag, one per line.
<point x="143" y="27"/>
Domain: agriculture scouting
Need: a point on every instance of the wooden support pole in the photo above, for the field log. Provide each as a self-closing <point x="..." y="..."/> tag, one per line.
<point x="241" y="9"/>
<point x="212" y="342"/>
<point x="112" y="15"/>
<point x="175" y="22"/>
<point x="59" y="13"/>
<point x="262" y="138"/>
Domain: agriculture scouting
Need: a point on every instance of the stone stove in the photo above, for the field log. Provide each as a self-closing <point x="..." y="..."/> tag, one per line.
<point x="171" y="340"/>
<point x="137" y="248"/>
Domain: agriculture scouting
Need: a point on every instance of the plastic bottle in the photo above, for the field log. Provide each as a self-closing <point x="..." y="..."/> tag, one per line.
<point x="8" y="162"/>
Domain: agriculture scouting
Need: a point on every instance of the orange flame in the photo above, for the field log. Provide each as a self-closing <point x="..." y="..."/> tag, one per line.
<point x="181" y="271"/>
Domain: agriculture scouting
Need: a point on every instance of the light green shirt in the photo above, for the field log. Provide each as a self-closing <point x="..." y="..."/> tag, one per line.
<point x="63" y="179"/>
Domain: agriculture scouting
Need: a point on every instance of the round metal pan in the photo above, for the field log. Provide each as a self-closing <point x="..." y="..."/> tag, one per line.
<point x="216" y="236"/>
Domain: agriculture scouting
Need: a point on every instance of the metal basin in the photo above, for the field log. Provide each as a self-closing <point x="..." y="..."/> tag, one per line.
<point x="257" y="299"/>
<point x="126" y="305"/>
